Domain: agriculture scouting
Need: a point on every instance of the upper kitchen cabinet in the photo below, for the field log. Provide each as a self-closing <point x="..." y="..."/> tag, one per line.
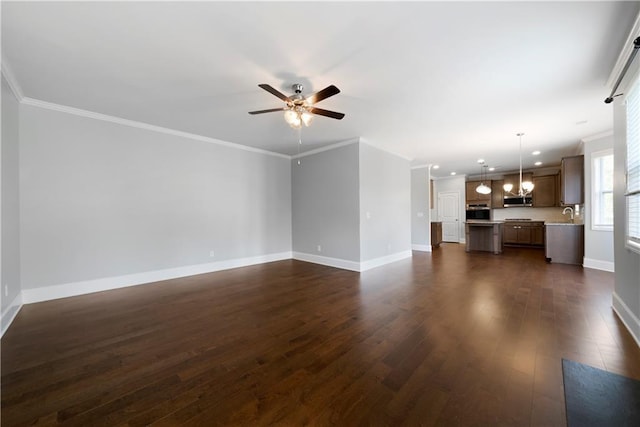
<point x="545" y="193"/>
<point x="472" y="196"/>
<point x="572" y="180"/>
<point x="497" y="194"/>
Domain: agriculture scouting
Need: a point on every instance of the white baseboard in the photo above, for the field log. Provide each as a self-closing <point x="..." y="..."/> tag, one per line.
<point x="388" y="259"/>
<point x="629" y="319"/>
<point x="328" y="261"/>
<point x="352" y="265"/>
<point x="47" y="293"/>
<point x="10" y="313"/>
<point x="598" y="264"/>
<point x="421" y="248"/>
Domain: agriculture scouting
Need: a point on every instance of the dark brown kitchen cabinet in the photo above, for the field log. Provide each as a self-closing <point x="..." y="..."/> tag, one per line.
<point x="572" y="180"/>
<point x="525" y="233"/>
<point x="436" y="234"/>
<point x="544" y="191"/>
<point x="472" y="196"/>
<point x="431" y="195"/>
<point x="497" y="194"/>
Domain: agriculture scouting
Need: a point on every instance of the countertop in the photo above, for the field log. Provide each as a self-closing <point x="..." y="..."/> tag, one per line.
<point x="483" y="222"/>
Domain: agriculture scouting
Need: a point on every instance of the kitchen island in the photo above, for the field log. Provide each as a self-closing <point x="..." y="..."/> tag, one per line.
<point x="483" y="235"/>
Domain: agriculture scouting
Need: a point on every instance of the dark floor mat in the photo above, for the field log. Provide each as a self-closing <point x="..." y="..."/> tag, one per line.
<point x="594" y="397"/>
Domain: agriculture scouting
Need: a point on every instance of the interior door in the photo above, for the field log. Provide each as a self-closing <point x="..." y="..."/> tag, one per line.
<point x="449" y="214"/>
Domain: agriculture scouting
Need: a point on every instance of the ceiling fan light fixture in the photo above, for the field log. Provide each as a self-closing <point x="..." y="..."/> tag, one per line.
<point x="307" y="117"/>
<point x="291" y="117"/>
<point x="508" y="187"/>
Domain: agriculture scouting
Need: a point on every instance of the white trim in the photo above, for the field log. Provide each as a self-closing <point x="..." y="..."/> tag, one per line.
<point x="64" y="290"/>
<point x="386" y="150"/>
<point x="627" y="47"/>
<point x="352" y="265"/>
<point x="10" y="313"/>
<point x="598" y="264"/>
<point x="388" y="259"/>
<point x="421" y="166"/>
<point x="141" y="125"/>
<point x="11" y="80"/>
<point x="597" y="136"/>
<point x="421" y="248"/>
<point x="627" y="317"/>
<point x="331" y="262"/>
<point x="596" y="181"/>
<point x="326" y="148"/>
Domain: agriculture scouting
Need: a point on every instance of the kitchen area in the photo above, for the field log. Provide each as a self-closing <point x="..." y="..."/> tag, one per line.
<point x="538" y="211"/>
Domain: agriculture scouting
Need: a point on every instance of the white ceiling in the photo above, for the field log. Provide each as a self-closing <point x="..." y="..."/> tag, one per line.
<point x="438" y="82"/>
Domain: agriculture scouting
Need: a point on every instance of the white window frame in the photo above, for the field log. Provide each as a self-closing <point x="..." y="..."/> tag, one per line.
<point x="632" y="192"/>
<point x="596" y="190"/>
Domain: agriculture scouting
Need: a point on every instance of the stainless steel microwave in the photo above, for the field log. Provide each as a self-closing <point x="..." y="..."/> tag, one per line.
<point x="510" y="202"/>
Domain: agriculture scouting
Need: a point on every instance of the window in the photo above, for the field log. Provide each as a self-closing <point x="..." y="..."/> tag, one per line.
<point x="602" y="190"/>
<point x="633" y="167"/>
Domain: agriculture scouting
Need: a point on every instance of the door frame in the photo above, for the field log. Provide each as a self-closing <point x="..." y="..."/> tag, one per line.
<point x="458" y="221"/>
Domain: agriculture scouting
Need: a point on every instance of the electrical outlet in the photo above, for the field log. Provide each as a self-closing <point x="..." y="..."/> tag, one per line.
<point x="319" y="248"/>
<point x="6" y="290"/>
<point x="212" y="254"/>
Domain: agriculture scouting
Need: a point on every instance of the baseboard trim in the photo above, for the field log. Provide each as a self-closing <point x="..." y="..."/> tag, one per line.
<point x="10" y="313"/>
<point x="328" y="261"/>
<point x="352" y="265"/>
<point x="421" y="248"/>
<point x="388" y="259"/>
<point x="627" y="317"/>
<point x="597" y="264"/>
<point x="65" y="290"/>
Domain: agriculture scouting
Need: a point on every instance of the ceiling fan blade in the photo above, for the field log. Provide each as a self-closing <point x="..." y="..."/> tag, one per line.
<point x="323" y="94"/>
<point x="326" y="113"/>
<point x="271" y="110"/>
<point x="275" y="92"/>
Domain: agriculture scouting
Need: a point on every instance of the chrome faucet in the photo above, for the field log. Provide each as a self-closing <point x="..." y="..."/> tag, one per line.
<point x="570" y="209"/>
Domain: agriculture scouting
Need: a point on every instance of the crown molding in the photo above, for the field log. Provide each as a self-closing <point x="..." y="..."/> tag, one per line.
<point x="597" y="136"/>
<point x="627" y="47"/>
<point x="141" y="125"/>
<point x="371" y="144"/>
<point x="421" y="166"/>
<point x="327" y="148"/>
<point x="11" y="80"/>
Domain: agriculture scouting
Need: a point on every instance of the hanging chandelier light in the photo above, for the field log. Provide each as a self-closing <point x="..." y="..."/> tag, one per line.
<point x="526" y="187"/>
<point x="483" y="188"/>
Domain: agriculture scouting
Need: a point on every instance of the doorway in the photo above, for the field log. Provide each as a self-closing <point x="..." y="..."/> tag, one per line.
<point x="449" y="215"/>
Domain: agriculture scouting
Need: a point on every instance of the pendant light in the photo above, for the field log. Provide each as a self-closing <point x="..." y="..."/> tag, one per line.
<point x="483" y="188"/>
<point x="526" y="187"/>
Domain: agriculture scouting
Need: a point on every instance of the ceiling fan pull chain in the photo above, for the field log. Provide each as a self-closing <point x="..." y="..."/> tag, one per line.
<point x="299" y="142"/>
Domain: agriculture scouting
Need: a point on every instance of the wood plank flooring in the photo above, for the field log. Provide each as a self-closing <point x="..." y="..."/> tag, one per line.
<point x="442" y="339"/>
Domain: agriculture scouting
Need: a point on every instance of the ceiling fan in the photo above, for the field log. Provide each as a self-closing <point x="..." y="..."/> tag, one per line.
<point x="300" y="109"/>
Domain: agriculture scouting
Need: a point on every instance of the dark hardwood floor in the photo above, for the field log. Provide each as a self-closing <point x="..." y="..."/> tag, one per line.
<point x="443" y="339"/>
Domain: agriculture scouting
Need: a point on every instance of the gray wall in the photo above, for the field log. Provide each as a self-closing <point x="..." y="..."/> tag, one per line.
<point x="627" y="263"/>
<point x="99" y="199"/>
<point x="598" y="244"/>
<point x="420" y="207"/>
<point x="10" y="198"/>
<point x="325" y="203"/>
<point x="385" y="203"/>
